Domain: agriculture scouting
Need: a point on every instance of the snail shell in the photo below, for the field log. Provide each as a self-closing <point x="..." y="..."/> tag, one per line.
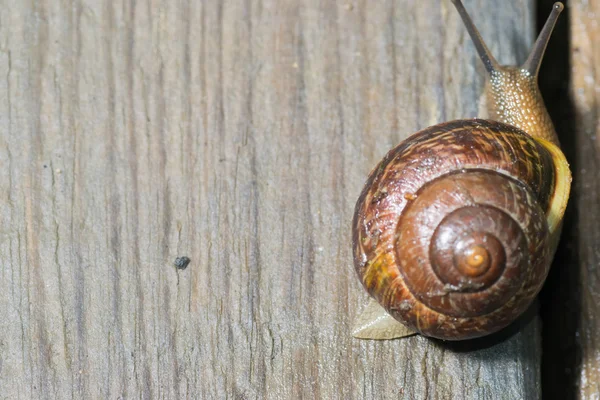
<point x="450" y="233"/>
<point x="455" y="229"/>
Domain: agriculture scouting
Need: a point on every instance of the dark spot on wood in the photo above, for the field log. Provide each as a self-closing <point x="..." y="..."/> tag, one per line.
<point x="182" y="262"/>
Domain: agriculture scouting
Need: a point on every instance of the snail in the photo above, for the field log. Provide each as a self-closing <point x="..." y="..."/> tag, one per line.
<point x="455" y="230"/>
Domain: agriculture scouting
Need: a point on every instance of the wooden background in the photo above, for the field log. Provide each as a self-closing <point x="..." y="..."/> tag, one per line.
<point x="239" y="133"/>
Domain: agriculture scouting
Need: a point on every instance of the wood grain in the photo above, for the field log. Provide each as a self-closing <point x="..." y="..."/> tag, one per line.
<point x="239" y="134"/>
<point x="572" y="313"/>
<point x="585" y="61"/>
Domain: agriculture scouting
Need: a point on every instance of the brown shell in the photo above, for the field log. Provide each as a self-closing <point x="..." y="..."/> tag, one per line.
<point x="450" y="233"/>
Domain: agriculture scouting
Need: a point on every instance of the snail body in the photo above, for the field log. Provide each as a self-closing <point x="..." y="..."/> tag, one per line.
<point x="455" y="229"/>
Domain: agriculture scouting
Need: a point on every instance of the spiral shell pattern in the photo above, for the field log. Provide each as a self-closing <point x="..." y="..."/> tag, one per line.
<point x="450" y="231"/>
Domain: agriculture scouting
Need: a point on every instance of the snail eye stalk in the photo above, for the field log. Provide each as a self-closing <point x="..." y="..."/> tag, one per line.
<point x="532" y="65"/>
<point x="537" y="53"/>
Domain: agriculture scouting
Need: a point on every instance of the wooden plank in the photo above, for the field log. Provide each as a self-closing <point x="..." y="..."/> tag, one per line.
<point x="571" y="298"/>
<point x="585" y="61"/>
<point x="239" y="134"/>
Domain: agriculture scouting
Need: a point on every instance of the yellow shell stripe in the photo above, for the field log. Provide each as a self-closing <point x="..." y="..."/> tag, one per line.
<point x="380" y="271"/>
<point x="560" y="197"/>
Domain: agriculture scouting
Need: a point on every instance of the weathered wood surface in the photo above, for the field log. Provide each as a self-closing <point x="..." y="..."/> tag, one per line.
<point x="585" y="31"/>
<point x="572" y="297"/>
<point x="238" y="133"/>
